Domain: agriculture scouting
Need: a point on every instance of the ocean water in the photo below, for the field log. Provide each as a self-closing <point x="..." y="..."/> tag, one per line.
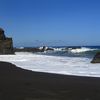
<point x="63" y="60"/>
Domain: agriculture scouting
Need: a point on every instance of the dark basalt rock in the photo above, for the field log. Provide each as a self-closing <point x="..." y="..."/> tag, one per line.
<point x="27" y="49"/>
<point x="6" y="44"/>
<point x="32" y="49"/>
<point x="96" y="58"/>
<point x="46" y="49"/>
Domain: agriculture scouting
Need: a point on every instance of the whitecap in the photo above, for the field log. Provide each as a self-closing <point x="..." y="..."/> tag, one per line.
<point x="83" y="49"/>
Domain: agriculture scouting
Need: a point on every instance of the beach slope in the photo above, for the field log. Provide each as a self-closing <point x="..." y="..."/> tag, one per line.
<point x="20" y="84"/>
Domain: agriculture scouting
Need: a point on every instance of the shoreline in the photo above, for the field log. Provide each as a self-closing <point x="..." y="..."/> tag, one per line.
<point x="20" y="84"/>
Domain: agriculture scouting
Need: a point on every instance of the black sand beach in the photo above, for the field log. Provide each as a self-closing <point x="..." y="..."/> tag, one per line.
<point x="20" y="84"/>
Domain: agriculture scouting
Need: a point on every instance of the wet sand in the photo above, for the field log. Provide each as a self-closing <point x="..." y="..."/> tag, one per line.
<point x="20" y="84"/>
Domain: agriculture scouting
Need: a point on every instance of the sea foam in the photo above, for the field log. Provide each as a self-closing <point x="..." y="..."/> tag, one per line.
<point x="83" y="49"/>
<point x="54" y="64"/>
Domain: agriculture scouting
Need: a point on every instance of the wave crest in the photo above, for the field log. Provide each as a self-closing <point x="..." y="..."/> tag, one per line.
<point x="80" y="50"/>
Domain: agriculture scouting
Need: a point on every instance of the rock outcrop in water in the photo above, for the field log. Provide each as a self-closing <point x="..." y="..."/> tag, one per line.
<point x="6" y="43"/>
<point x="33" y="49"/>
<point x="96" y="58"/>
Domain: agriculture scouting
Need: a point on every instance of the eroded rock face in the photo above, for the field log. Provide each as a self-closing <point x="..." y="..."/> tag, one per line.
<point x="6" y="44"/>
<point x="96" y="58"/>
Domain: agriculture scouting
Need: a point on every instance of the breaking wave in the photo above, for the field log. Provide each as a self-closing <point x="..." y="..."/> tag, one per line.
<point x="71" y="51"/>
<point x="80" y="50"/>
<point x="76" y="50"/>
<point x="54" y="64"/>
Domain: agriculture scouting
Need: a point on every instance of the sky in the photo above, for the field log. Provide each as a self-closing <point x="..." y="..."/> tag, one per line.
<point x="51" y="22"/>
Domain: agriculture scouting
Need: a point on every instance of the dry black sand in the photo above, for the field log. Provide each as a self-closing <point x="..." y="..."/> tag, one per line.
<point x="20" y="84"/>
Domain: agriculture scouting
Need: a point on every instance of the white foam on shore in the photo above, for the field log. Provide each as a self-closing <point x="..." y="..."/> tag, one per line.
<point x="53" y="64"/>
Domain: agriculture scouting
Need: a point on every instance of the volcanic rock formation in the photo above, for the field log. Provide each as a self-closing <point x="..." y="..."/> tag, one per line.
<point x="6" y="43"/>
<point x="96" y="58"/>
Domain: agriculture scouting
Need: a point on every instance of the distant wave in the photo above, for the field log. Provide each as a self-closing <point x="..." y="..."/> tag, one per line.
<point x="72" y="51"/>
<point x="75" y="50"/>
<point x="80" y="50"/>
<point x="59" y="49"/>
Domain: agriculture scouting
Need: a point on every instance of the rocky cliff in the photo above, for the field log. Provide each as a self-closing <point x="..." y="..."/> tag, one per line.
<point x="6" y="44"/>
<point x="96" y="58"/>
